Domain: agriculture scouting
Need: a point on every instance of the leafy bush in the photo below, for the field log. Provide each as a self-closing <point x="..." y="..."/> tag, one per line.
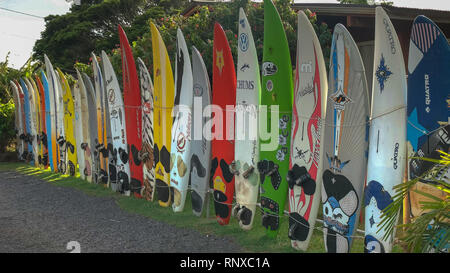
<point x="7" y="130"/>
<point x="198" y="30"/>
<point x="430" y="231"/>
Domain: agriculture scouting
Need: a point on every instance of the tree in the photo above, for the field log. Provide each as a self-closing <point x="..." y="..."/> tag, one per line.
<point x="92" y="26"/>
<point x="7" y="132"/>
<point x="198" y="30"/>
<point x="360" y="2"/>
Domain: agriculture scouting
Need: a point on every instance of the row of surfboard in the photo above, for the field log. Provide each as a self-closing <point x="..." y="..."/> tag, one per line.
<point x="321" y="154"/>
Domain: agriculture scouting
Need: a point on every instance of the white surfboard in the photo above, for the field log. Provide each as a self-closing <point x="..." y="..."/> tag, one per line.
<point x="53" y="109"/>
<point x="345" y="142"/>
<point x="38" y="120"/>
<point x="85" y="145"/>
<point x="93" y="135"/>
<point x="101" y="147"/>
<point x="310" y="95"/>
<point x="200" y="146"/>
<point x="33" y="120"/>
<point x="246" y="145"/>
<point x="180" y="162"/>
<point x="120" y="167"/>
<point x="79" y="129"/>
<point x="387" y="137"/>
<point x="148" y="192"/>
<point x="18" y="120"/>
<point x="61" y="138"/>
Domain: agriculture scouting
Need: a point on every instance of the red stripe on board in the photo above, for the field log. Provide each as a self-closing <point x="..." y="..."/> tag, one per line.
<point x="424" y="36"/>
<point x="430" y="35"/>
<point x="419" y="37"/>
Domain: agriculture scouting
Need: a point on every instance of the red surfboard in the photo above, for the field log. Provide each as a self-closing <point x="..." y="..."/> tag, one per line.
<point x="43" y="134"/>
<point x="224" y="95"/>
<point x="133" y="115"/>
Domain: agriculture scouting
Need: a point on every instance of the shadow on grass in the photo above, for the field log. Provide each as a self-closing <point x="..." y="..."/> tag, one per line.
<point x="254" y="240"/>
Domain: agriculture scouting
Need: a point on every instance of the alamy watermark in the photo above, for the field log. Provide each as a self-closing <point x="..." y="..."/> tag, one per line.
<point x="234" y="123"/>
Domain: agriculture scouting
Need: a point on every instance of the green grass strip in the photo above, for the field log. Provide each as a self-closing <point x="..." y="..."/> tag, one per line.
<point x="254" y="240"/>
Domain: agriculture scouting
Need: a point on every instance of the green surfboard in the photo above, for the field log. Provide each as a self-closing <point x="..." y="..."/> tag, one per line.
<point x="276" y="95"/>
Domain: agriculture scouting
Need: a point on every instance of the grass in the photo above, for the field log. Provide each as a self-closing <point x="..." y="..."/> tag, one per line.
<point x="254" y="240"/>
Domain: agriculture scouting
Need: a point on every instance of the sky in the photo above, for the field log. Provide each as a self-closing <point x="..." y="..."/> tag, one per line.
<point x="19" y="32"/>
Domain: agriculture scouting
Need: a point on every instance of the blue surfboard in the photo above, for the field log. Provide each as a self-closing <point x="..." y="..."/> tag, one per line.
<point x="428" y="108"/>
<point x="27" y="121"/>
<point x="48" y="121"/>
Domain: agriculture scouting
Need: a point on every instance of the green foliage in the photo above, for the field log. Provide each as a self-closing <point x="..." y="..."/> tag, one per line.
<point x="430" y="230"/>
<point x="7" y="131"/>
<point x="92" y="26"/>
<point x="366" y="2"/>
<point x="361" y="2"/>
<point x="6" y="75"/>
<point x="198" y="30"/>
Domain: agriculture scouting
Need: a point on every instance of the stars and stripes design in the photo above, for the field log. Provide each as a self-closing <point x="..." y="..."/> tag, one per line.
<point x="423" y="35"/>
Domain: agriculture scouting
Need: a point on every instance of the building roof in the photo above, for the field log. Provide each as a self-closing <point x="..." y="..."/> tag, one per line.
<point x="399" y="13"/>
<point x="359" y="19"/>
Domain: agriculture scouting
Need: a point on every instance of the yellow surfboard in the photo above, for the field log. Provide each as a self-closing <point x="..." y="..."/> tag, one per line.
<point x="163" y="101"/>
<point x="69" y="120"/>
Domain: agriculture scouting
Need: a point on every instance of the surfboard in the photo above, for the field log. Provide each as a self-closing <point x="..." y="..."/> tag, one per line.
<point x="246" y="147"/>
<point x="101" y="144"/>
<point x="28" y="136"/>
<point x="69" y="126"/>
<point x="180" y="162"/>
<point x="61" y="138"/>
<point x="222" y="143"/>
<point x="78" y="127"/>
<point x="37" y="120"/>
<point x="39" y="117"/>
<point x="387" y="136"/>
<point x="148" y="160"/>
<point x="93" y="134"/>
<point x="199" y="173"/>
<point x="48" y="121"/>
<point x="29" y="97"/>
<point x="119" y="170"/>
<point x="18" y="120"/>
<point x="43" y="127"/>
<point x="29" y="155"/>
<point x="15" y="98"/>
<point x="162" y="115"/>
<point x="345" y="142"/>
<point x="306" y="154"/>
<point x="133" y="114"/>
<point x="22" y="136"/>
<point x="111" y="160"/>
<point x="428" y="128"/>
<point x="51" y="80"/>
<point x="34" y="121"/>
<point x="276" y="97"/>
<point x="85" y="145"/>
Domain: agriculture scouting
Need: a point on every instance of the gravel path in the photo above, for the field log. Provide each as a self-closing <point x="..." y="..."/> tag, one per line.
<point x="36" y="216"/>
